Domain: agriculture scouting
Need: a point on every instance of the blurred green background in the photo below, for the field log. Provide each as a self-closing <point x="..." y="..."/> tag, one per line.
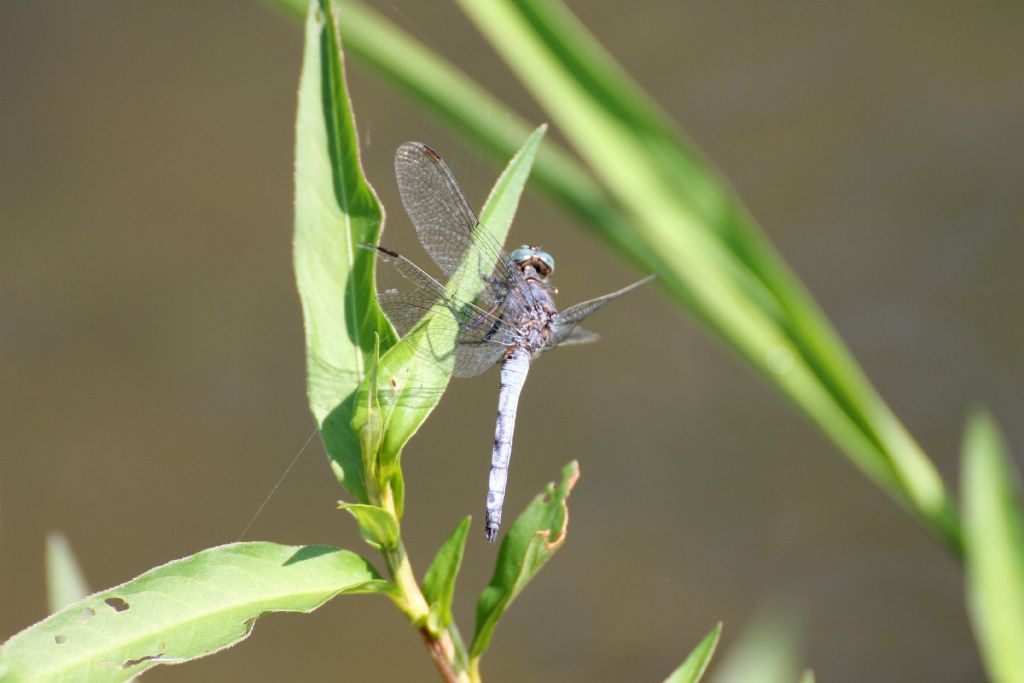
<point x="151" y="369"/>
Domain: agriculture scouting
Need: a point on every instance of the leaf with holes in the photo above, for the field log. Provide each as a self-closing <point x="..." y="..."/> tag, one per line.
<point x="183" y="610"/>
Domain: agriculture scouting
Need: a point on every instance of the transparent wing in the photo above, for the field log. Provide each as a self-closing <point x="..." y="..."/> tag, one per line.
<point x="451" y="233"/>
<point x="474" y="358"/>
<point x="446" y="225"/>
<point x="481" y="337"/>
<point x="474" y="352"/>
<point x="575" y="335"/>
<point x="564" y="328"/>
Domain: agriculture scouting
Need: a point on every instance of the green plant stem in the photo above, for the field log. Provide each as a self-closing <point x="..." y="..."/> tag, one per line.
<point x="441" y="646"/>
<point x="440" y="657"/>
<point x="412" y="602"/>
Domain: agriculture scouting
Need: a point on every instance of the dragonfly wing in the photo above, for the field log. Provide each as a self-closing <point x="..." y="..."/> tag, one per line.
<point x="474" y="354"/>
<point x="446" y="225"/>
<point x="451" y="233"/>
<point x="565" y="323"/>
<point x="427" y="288"/>
<point x="474" y="358"/>
<point x="405" y="310"/>
<point x="567" y="336"/>
<point x="482" y="342"/>
<point x="482" y="337"/>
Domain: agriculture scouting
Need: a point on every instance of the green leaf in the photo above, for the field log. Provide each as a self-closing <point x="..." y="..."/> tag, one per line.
<point x="65" y="582"/>
<point x="696" y="664"/>
<point x="476" y="115"/>
<point x="808" y="677"/>
<point x="368" y="419"/>
<point x="531" y="541"/>
<point x="767" y="651"/>
<point x="413" y="374"/>
<point x="185" y="609"/>
<point x="335" y="211"/>
<point x="377" y="526"/>
<point x="994" y="541"/>
<point x="707" y="249"/>
<point x="439" y="581"/>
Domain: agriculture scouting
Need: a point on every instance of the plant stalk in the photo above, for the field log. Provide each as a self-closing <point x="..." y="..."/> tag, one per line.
<point x="441" y="646"/>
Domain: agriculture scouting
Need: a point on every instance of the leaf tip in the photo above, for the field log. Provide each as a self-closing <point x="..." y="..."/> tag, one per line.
<point x="570" y="475"/>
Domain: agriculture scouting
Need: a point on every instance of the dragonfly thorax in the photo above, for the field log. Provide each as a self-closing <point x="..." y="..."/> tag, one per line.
<point x="511" y="320"/>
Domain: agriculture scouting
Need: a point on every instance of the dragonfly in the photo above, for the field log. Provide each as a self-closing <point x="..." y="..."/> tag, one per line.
<point x="511" y="322"/>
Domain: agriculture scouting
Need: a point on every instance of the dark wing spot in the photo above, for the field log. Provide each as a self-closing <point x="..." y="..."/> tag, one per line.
<point x="434" y="156"/>
<point x="60" y="639"/>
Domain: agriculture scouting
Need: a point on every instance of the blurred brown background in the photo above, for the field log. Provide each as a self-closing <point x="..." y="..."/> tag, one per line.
<point x="152" y="367"/>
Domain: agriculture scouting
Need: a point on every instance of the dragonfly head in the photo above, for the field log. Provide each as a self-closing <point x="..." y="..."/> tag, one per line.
<point x="530" y="255"/>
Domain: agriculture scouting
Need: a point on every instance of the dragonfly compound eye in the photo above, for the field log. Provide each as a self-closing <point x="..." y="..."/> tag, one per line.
<point x="547" y="259"/>
<point x="540" y="259"/>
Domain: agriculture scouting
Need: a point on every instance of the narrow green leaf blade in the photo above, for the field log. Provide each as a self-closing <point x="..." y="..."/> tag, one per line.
<point x="994" y="542"/>
<point x="65" y="582"/>
<point x="335" y="211"/>
<point x="439" y="581"/>
<point x="413" y="374"/>
<point x="707" y="249"/>
<point x="531" y="541"/>
<point x="691" y="670"/>
<point x="182" y="610"/>
<point x="377" y="526"/>
<point x="808" y="677"/>
<point x="767" y="651"/>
